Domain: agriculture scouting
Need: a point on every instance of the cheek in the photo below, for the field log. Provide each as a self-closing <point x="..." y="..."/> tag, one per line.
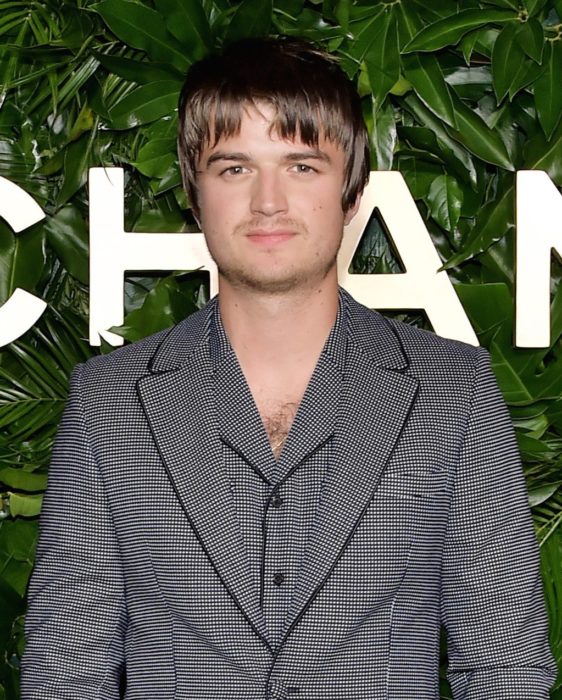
<point x="218" y="214"/>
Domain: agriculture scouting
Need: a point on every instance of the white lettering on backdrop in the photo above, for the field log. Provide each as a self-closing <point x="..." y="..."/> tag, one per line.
<point x="539" y="233"/>
<point x="22" y="310"/>
<point x="422" y="286"/>
<point x="114" y="251"/>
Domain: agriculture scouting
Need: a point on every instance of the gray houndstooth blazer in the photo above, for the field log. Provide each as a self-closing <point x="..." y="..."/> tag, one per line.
<point x="142" y="587"/>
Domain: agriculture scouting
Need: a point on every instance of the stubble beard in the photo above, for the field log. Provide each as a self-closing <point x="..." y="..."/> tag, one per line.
<point x="283" y="281"/>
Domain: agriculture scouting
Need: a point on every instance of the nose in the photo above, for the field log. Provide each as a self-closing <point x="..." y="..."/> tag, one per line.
<point x="268" y="195"/>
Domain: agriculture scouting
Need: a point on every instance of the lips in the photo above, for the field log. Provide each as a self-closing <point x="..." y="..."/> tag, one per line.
<point x="267" y="237"/>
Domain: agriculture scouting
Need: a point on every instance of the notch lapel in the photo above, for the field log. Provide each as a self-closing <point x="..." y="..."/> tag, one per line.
<point x="180" y="409"/>
<point x="375" y="405"/>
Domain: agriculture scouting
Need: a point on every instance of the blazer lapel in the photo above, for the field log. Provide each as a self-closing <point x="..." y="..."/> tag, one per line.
<point x="179" y="405"/>
<point x="375" y="403"/>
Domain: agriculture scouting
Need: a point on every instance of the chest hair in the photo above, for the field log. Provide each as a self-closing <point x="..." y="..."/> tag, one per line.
<point x="277" y="422"/>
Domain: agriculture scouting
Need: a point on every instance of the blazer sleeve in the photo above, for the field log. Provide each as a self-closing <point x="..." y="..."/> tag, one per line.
<point x="76" y="606"/>
<point x="492" y="599"/>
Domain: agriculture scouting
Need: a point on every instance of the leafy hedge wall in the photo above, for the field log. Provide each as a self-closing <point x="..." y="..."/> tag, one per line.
<point x="457" y="97"/>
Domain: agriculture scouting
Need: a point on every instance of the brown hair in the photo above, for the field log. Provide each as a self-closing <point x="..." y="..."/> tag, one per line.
<point x="310" y="93"/>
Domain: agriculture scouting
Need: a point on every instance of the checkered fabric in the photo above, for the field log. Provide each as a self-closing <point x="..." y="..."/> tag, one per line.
<point x="143" y="586"/>
<point x="276" y="501"/>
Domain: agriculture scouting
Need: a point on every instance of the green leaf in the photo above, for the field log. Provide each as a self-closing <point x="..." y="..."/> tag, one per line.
<point x="25" y="506"/>
<point x="436" y="139"/>
<point x="478" y="138"/>
<point x="22" y="257"/>
<point x="364" y="31"/>
<point x="42" y="369"/>
<point x="143" y="28"/>
<point x="163" y="306"/>
<point x="444" y="201"/>
<point x="451" y="29"/>
<point x="67" y="234"/>
<point x="547" y="91"/>
<point x="505" y="59"/>
<point x="187" y="21"/>
<point x="528" y="72"/>
<point x="513" y="4"/>
<point x="23" y="481"/>
<point x="495" y="219"/>
<point x="84" y="122"/>
<point x="551" y="555"/>
<point x="489" y="308"/>
<point x="432" y="148"/>
<point x="156" y="156"/>
<point x="480" y="41"/>
<point x="512" y="70"/>
<point x="18" y="540"/>
<point x="342" y="12"/>
<point x="170" y="180"/>
<point x="533" y="7"/>
<point x="75" y="169"/>
<point x="293" y="8"/>
<point x="138" y="71"/>
<point x="161" y="219"/>
<point x="540" y="154"/>
<point x="419" y="175"/>
<point x="383" y="136"/>
<point x="409" y="22"/>
<point x="530" y="38"/>
<point x="383" y="59"/>
<point x="252" y="18"/>
<point x="10" y="20"/>
<point x="17" y="546"/>
<point x="520" y="372"/>
<point x="468" y="43"/>
<point x="424" y="73"/>
<point x="540" y="494"/>
<point x="15" y="163"/>
<point x="145" y="104"/>
<point x="471" y="84"/>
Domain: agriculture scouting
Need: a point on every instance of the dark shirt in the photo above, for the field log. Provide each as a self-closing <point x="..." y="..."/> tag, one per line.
<point x="276" y="500"/>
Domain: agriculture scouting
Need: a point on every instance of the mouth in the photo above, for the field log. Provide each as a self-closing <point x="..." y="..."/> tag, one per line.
<point x="266" y="237"/>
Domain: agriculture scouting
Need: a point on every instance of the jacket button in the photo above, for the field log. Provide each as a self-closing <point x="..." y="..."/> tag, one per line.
<point x="278" y="578"/>
<point x="277" y="501"/>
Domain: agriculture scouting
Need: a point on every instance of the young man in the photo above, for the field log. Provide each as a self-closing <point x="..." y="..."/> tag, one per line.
<point x="286" y="495"/>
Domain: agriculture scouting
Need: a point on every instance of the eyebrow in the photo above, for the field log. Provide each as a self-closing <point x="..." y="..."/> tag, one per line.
<point x="297" y="156"/>
<point x="222" y="156"/>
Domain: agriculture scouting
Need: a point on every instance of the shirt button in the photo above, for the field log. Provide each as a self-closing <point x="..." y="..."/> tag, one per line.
<point x="278" y="578"/>
<point x="277" y="501"/>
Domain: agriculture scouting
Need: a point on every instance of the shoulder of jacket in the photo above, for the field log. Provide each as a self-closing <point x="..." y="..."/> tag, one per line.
<point x="133" y="360"/>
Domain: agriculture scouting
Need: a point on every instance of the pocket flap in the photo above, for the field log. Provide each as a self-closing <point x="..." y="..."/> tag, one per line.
<point x="412" y="483"/>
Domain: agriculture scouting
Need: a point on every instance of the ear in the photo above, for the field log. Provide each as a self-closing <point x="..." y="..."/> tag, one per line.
<point x="353" y="209"/>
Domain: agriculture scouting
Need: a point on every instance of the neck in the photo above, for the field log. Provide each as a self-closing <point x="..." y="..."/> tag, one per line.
<point x="278" y="330"/>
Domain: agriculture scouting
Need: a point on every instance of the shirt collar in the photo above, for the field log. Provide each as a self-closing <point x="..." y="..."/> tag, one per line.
<point x="334" y="347"/>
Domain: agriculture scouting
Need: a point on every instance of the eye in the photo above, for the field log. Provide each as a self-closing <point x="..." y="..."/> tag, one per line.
<point x="234" y="170"/>
<point x="304" y="168"/>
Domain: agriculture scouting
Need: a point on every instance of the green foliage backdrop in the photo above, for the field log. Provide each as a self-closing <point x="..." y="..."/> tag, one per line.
<point x="457" y="96"/>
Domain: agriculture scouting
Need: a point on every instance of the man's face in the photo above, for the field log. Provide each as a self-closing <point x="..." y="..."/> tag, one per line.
<point x="271" y="208"/>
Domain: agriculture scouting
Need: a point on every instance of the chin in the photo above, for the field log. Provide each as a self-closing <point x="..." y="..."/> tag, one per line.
<point x="266" y="285"/>
<point x="275" y="283"/>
